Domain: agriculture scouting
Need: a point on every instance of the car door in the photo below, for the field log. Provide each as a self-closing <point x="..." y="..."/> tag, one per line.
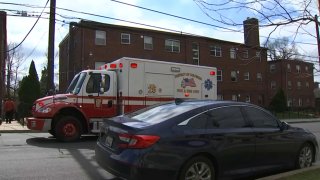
<point x="232" y="140"/>
<point x="274" y="147"/>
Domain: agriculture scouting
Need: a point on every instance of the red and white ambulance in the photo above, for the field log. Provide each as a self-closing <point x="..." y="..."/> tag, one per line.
<point x="122" y="86"/>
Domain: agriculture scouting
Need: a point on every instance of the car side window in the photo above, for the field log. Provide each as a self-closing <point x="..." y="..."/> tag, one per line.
<point x="260" y="119"/>
<point x="226" y="117"/>
<point x="198" y="122"/>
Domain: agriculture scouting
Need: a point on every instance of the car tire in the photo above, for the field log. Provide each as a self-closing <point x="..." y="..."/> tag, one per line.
<point x="305" y="156"/>
<point x="198" y="167"/>
<point x="68" y="129"/>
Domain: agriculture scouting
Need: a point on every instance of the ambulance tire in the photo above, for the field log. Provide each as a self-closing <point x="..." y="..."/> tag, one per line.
<point x="68" y="129"/>
<point x="52" y="133"/>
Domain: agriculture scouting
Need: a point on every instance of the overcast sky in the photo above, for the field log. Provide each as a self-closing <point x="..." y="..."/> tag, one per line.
<point x="35" y="45"/>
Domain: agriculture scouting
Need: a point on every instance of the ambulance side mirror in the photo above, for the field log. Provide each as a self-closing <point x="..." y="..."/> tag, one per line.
<point x="101" y="91"/>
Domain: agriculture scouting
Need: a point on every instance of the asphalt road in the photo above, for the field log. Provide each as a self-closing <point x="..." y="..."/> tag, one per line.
<point x="37" y="156"/>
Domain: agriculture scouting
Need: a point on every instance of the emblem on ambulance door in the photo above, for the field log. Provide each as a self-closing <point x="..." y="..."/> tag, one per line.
<point x="152" y="88"/>
<point x="188" y="82"/>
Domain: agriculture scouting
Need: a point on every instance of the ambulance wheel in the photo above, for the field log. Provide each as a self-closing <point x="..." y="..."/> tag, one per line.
<point x="68" y="129"/>
<point x="52" y="133"/>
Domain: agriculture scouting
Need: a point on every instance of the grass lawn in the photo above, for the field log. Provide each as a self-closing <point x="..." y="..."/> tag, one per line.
<point x="307" y="175"/>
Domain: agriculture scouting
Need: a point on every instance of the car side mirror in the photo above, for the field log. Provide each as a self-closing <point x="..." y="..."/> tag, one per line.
<point x="284" y="126"/>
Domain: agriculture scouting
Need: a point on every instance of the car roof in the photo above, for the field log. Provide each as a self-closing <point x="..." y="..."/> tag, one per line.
<point x="216" y="103"/>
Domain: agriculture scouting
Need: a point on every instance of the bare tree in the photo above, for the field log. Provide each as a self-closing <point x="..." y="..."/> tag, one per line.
<point x="14" y="61"/>
<point x="282" y="49"/>
<point x="270" y="13"/>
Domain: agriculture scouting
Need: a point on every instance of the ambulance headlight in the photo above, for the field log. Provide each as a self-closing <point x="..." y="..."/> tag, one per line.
<point x="44" y="110"/>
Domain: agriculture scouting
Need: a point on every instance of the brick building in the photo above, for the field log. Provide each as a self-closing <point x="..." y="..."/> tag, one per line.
<point x="3" y="53"/>
<point x="242" y="68"/>
<point x="295" y="78"/>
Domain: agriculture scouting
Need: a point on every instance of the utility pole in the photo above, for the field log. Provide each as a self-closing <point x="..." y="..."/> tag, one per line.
<point x="317" y="31"/>
<point x="50" y="80"/>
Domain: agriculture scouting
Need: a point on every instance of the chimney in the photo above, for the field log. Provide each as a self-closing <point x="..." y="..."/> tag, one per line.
<point x="251" y="32"/>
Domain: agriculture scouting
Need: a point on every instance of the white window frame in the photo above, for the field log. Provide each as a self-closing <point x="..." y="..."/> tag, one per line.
<point x="307" y="84"/>
<point x="172" y="45"/>
<point x="289" y="84"/>
<point x="259" y="77"/>
<point x="246" y="76"/>
<point x="233" y="53"/>
<point x="215" y="51"/>
<point x="220" y="97"/>
<point x="234" y="97"/>
<point x="298" y="68"/>
<point x="272" y="68"/>
<point x="148" y="43"/>
<point x="195" y="53"/>
<point x="258" y="55"/>
<point x="273" y="84"/>
<point x="307" y="68"/>
<point x="300" y="102"/>
<point x="235" y="77"/>
<point x="288" y="68"/>
<point x="219" y="75"/>
<point x="298" y="85"/>
<point x="125" y="38"/>
<point x="248" y="99"/>
<point x="289" y="102"/>
<point x="245" y="54"/>
<point x="100" y="38"/>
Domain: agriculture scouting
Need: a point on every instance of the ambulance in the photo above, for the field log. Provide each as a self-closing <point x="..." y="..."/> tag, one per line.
<point x="119" y="87"/>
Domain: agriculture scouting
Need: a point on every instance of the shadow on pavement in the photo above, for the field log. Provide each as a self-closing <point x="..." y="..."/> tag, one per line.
<point x="81" y="151"/>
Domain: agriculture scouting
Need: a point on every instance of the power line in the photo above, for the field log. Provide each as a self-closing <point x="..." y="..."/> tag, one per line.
<point x="29" y="31"/>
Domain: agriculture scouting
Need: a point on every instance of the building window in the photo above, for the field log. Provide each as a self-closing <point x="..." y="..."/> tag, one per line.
<point x="272" y="68"/>
<point x="289" y="85"/>
<point x="172" y="45"/>
<point x="233" y="54"/>
<point x="234" y="77"/>
<point x="307" y="69"/>
<point x="298" y="68"/>
<point x="247" y="76"/>
<point x="258" y="55"/>
<point x="248" y="98"/>
<point x="299" y="85"/>
<point x="308" y="101"/>
<point x="245" y="54"/>
<point x="220" y="97"/>
<point x="219" y="75"/>
<point x="100" y="38"/>
<point x="273" y="85"/>
<point x="234" y="97"/>
<point x="148" y="42"/>
<point x="288" y="68"/>
<point x="260" y="99"/>
<point x="215" y="51"/>
<point x="259" y="77"/>
<point x="195" y="53"/>
<point x="125" y="38"/>
<point x="289" y="102"/>
<point x="300" y="102"/>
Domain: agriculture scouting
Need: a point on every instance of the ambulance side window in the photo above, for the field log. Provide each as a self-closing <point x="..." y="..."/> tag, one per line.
<point x="94" y="82"/>
<point x="106" y="83"/>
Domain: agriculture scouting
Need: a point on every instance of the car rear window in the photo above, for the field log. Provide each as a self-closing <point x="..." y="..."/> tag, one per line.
<point x="164" y="112"/>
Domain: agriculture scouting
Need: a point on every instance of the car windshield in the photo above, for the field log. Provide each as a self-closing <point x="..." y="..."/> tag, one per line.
<point x="76" y="83"/>
<point x="163" y="112"/>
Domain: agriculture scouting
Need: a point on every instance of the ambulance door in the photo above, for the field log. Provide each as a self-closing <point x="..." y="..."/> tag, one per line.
<point x="100" y="98"/>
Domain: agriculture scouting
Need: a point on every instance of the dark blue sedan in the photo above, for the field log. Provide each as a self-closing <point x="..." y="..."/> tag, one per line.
<point x="201" y="140"/>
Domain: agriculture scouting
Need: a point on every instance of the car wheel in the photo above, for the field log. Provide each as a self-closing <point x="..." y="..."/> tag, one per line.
<point x="197" y="168"/>
<point x="305" y="156"/>
<point x="67" y="129"/>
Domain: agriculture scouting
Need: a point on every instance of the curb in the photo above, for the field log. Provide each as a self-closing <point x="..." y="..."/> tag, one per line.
<point x="290" y="173"/>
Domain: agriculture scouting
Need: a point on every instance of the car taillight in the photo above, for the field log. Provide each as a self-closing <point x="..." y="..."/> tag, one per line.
<point x="137" y="141"/>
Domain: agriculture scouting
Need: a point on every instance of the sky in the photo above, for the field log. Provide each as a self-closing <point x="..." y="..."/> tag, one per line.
<point x="36" y="43"/>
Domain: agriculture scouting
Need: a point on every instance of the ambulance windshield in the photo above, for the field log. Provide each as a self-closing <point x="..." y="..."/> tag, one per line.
<point x="76" y="83"/>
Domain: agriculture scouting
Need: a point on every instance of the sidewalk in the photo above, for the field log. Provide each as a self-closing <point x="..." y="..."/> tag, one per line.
<point x="14" y="127"/>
